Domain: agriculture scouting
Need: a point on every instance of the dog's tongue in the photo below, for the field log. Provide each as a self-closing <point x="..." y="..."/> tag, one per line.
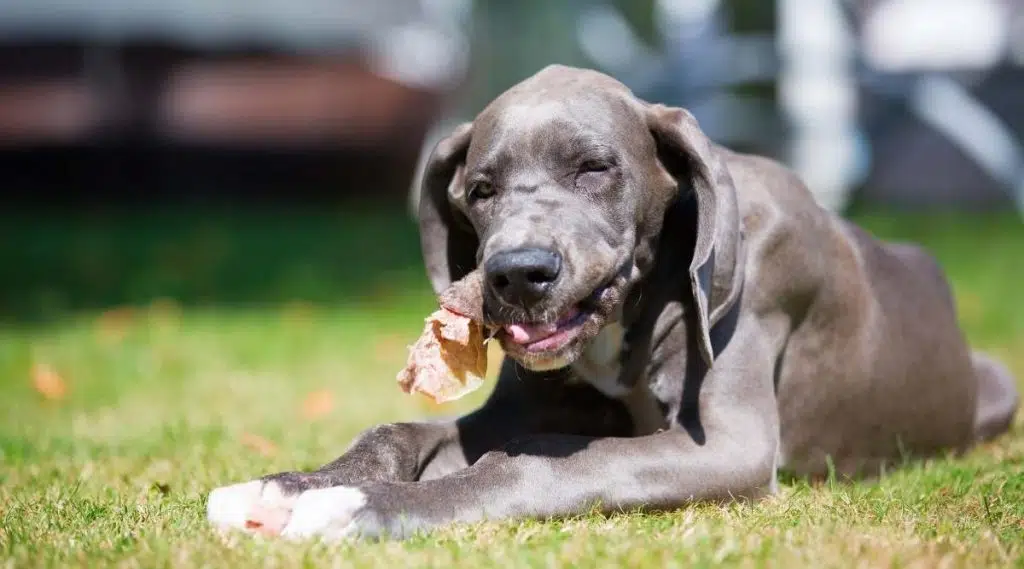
<point x="530" y="333"/>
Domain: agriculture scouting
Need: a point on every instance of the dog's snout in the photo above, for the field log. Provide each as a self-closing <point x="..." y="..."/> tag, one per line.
<point x="522" y="276"/>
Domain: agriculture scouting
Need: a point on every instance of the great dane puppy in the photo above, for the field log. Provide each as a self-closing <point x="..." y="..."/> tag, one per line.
<point x="679" y="320"/>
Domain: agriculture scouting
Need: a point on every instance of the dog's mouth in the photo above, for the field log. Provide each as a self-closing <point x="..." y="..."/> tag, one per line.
<point x="547" y="337"/>
<point x="555" y="337"/>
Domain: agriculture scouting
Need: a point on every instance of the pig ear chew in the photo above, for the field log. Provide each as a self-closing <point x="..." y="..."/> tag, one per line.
<point x="465" y="296"/>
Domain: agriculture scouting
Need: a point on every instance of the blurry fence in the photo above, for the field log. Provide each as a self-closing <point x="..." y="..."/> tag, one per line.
<point x="902" y="101"/>
<point x="118" y="101"/>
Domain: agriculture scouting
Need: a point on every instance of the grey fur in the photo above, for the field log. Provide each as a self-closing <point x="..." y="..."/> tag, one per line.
<point x="757" y="331"/>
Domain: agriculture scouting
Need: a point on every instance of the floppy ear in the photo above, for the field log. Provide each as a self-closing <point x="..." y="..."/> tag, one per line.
<point x="448" y="240"/>
<point x="716" y="268"/>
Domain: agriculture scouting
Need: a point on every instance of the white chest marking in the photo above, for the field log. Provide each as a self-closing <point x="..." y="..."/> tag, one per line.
<point x="599" y="364"/>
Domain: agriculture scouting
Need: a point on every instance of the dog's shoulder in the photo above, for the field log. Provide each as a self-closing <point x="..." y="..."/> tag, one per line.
<point x="768" y="186"/>
<point x="774" y="204"/>
<point x="793" y="245"/>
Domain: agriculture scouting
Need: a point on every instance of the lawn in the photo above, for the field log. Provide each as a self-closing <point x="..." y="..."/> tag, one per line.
<point x="145" y="360"/>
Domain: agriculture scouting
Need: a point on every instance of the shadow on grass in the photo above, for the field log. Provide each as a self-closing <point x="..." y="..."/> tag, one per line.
<point x="54" y="264"/>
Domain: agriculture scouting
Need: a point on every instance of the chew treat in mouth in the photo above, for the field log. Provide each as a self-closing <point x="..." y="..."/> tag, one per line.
<point x="449" y="360"/>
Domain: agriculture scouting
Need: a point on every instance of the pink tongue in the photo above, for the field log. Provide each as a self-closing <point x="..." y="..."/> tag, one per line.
<point x="530" y="333"/>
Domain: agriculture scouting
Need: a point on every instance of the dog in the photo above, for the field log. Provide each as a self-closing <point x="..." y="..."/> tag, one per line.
<point x="680" y="322"/>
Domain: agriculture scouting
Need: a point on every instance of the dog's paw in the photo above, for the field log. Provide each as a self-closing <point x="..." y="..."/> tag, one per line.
<point x="329" y="514"/>
<point x="258" y="506"/>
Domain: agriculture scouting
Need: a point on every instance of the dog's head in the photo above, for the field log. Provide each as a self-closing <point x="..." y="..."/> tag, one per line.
<point x="558" y="192"/>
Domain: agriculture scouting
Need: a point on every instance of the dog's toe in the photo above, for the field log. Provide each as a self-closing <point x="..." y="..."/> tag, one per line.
<point x="229" y="506"/>
<point x="327" y="513"/>
<point x="256" y="506"/>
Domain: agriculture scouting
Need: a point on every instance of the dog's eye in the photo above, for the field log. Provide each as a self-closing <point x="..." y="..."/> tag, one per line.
<point x="593" y="174"/>
<point x="596" y="166"/>
<point x="480" y="190"/>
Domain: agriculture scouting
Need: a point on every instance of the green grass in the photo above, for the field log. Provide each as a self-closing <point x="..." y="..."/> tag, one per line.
<point x="165" y="398"/>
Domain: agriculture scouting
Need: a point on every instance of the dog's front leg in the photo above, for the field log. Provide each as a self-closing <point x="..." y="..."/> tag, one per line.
<point x="548" y="476"/>
<point x="395" y="452"/>
<point x="389" y="452"/>
<point x="723" y="444"/>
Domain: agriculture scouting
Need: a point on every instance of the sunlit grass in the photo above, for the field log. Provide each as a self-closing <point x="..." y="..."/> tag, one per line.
<point x="276" y="353"/>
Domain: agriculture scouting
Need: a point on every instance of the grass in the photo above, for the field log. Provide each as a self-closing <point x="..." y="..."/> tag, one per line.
<point x="196" y="350"/>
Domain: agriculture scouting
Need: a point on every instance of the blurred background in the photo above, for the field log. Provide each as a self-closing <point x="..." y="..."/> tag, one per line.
<point x="209" y="267"/>
<point x="254" y="152"/>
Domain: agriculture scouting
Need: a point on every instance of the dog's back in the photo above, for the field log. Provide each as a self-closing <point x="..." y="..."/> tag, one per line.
<point x="876" y="368"/>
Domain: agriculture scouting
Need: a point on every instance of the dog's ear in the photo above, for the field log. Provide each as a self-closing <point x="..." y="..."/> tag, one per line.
<point x="448" y="240"/>
<point x="716" y="268"/>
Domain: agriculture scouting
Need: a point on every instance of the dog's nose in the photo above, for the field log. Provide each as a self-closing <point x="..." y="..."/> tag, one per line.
<point x="522" y="276"/>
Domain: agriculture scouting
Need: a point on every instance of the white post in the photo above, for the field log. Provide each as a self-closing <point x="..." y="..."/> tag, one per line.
<point x="818" y="95"/>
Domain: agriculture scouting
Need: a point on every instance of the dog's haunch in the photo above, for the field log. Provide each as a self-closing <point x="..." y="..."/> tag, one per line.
<point x="449" y="360"/>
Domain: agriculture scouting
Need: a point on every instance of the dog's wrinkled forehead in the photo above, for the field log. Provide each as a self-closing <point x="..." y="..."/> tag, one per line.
<point x="558" y="109"/>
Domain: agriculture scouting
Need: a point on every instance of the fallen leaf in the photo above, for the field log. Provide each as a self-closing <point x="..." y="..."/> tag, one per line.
<point x="318" y="404"/>
<point x="259" y="444"/>
<point x="48" y="382"/>
<point x="298" y="313"/>
<point x="165" y="312"/>
<point x="113" y="325"/>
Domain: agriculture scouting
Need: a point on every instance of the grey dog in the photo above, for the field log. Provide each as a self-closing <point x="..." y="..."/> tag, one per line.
<point x="680" y="322"/>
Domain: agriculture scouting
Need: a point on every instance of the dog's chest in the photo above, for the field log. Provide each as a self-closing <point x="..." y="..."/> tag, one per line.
<point x="600" y="366"/>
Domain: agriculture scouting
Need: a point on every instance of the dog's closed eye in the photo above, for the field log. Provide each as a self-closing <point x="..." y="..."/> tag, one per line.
<point x="592" y="174"/>
<point x="595" y="166"/>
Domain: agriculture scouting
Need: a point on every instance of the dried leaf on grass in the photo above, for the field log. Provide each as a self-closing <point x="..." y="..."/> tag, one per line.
<point x="165" y="312"/>
<point x="298" y="313"/>
<point x="48" y="383"/>
<point x="259" y="444"/>
<point x="112" y="326"/>
<point x="318" y="404"/>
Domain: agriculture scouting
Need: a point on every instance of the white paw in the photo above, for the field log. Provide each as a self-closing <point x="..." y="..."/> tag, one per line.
<point x="228" y="507"/>
<point x="254" y="506"/>
<point x="328" y="513"/>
